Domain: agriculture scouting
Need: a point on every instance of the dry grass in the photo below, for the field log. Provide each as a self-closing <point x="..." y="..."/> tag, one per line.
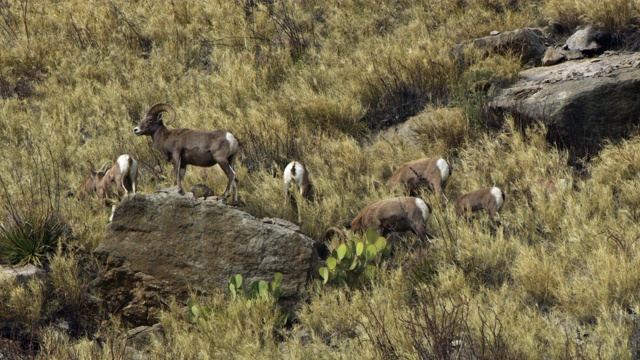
<point x="309" y="81"/>
<point x="615" y="15"/>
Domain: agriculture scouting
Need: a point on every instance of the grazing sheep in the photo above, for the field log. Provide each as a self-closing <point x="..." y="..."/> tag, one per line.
<point x="430" y="172"/>
<point x="90" y="183"/>
<point x="184" y="147"/>
<point x="395" y="215"/>
<point x="489" y="199"/>
<point x="298" y="173"/>
<point x="123" y="175"/>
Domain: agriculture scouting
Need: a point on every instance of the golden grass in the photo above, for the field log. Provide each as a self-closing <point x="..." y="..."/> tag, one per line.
<point x="614" y="15"/>
<point x="306" y="81"/>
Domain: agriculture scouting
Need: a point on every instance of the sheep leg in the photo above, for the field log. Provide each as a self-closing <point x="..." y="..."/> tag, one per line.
<point x="286" y="193"/>
<point x="231" y="176"/>
<point x="176" y="171"/>
<point x="123" y="185"/>
<point x="492" y="211"/>
<point x="179" y="170"/>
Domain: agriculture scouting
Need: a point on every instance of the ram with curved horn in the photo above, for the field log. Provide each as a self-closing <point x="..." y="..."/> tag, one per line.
<point x="184" y="147"/>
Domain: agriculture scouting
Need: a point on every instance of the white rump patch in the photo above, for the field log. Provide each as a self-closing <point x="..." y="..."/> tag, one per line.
<point x="445" y="171"/>
<point x="123" y="163"/>
<point x="424" y="208"/>
<point x="233" y="143"/>
<point x="289" y="174"/>
<point x="497" y="193"/>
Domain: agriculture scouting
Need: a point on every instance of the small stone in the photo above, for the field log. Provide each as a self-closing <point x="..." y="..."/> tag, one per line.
<point x="552" y="56"/>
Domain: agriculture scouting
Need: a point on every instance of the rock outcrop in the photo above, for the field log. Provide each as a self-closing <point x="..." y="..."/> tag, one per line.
<point x="583" y="43"/>
<point x="528" y="42"/>
<point x="165" y="245"/>
<point x="20" y="273"/>
<point x="582" y="102"/>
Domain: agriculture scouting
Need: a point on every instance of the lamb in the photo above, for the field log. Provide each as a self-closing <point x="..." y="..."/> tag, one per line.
<point x="432" y="172"/>
<point x="184" y="147"/>
<point x="297" y="172"/>
<point x="489" y="199"/>
<point x="123" y="175"/>
<point x="395" y="215"/>
<point x="89" y="184"/>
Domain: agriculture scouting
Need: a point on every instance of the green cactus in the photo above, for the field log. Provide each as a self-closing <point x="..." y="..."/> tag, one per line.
<point x="359" y="255"/>
<point x="235" y="285"/>
<point x="259" y="289"/>
<point x="196" y="311"/>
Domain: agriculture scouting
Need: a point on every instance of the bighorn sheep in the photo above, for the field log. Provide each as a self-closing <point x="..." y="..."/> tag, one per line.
<point x="90" y="183"/>
<point x="184" y="147"/>
<point x="393" y="215"/>
<point x="547" y="185"/>
<point x="298" y="173"/>
<point x="123" y="175"/>
<point x="489" y="199"/>
<point x="432" y="172"/>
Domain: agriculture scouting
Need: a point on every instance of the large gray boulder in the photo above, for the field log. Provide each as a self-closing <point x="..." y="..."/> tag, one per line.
<point x="581" y="102"/>
<point x="584" y="40"/>
<point x="165" y="245"/>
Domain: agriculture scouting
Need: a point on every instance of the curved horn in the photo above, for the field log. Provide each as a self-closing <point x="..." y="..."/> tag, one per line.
<point x="334" y="231"/>
<point x="91" y="167"/>
<point x="104" y="166"/>
<point x="160" y="107"/>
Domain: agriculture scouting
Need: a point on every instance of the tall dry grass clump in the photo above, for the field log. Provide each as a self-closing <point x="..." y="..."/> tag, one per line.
<point x="615" y="16"/>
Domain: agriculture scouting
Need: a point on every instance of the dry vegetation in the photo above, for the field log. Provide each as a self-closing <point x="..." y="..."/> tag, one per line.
<point x="313" y="81"/>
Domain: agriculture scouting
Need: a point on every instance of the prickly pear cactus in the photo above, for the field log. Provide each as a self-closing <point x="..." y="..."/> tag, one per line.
<point x="358" y="255"/>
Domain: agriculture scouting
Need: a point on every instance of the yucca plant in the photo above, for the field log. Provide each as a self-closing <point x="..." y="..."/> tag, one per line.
<point x="28" y="239"/>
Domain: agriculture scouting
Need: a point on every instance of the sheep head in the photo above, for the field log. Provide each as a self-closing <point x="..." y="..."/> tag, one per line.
<point x="152" y="120"/>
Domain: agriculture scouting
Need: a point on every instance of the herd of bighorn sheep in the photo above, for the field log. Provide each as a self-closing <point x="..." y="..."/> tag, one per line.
<point x="183" y="147"/>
